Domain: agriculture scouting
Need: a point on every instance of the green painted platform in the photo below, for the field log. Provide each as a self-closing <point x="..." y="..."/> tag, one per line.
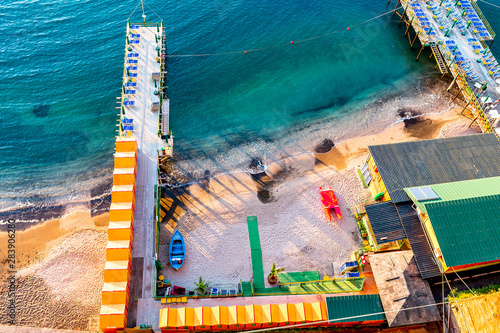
<point x="298" y="277"/>
<point x="257" y="267"/>
<point x="246" y="288"/>
<point x="323" y="287"/>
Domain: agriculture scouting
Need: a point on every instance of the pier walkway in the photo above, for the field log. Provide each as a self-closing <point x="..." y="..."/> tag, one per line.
<point x="140" y="118"/>
<point x="459" y="36"/>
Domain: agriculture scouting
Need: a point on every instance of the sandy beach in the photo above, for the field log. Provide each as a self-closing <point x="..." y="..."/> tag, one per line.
<point x="60" y="262"/>
<point x="294" y="231"/>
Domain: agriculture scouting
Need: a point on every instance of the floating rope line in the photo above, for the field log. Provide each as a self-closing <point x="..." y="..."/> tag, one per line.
<point x="278" y="45"/>
<point x="134" y="10"/>
<point x="153" y="11"/>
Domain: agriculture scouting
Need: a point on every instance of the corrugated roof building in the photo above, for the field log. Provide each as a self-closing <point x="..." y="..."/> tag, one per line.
<point x="418" y="163"/>
<point x="364" y="309"/>
<point x="461" y="221"/>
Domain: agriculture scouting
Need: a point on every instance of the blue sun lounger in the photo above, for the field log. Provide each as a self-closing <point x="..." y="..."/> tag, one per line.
<point x="132" y="74"/>
<point x="132" y="61"/>
<point x="134" y="26"/>
<point x="128" y="128"/>
<point x="130" y="92"/>
<point x="132" y="55"/>
<point x="214" y="292"/>
<point x="128" y="103"/>
<point x="127" y="121"/>
<point x="130" y="84"/>
<point x="134" y="41"/>
<point x="132" y="68"/>
<point x="350" y="275"/>
<point x="135" y="35"/>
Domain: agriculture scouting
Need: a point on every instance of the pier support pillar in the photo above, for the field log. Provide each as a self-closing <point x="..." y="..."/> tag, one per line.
<point x="473" y="121"/>
<point x="465" y="107"/>
<point x="402" y="15"/>
<point x="419" y="53"/>
<point x="395" y="8"/>
<point x="459" y="91"/>
<point x="414" y="39"/>
<point x="408" y="26"/>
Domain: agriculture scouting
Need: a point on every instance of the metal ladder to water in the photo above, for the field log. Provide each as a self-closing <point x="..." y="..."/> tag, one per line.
<point x="439" y="59"/>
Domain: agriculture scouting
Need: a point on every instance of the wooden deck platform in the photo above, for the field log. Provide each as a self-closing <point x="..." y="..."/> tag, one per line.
<point x="146" y="128"/>
<point x="458" y="34"/>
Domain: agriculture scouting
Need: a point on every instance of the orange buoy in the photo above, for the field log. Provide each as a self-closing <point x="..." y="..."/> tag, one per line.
<point x="348" y="28"/>
<point x="245" y="52"/>
<point x="292" y="42"/>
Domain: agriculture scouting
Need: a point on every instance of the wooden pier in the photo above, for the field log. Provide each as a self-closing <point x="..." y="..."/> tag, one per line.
<point x="459" y="37"/>
<point x="144" y="115"/>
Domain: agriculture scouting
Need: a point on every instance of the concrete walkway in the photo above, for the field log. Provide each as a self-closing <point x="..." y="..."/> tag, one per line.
<point x="141" y="308"/>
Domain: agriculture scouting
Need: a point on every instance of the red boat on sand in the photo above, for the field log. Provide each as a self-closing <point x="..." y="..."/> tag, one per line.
<point x="329" y="201"/>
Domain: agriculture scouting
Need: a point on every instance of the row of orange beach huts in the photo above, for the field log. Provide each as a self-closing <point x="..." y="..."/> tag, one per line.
<point x="115" y="292"/>
<point x="340" y="311"/>
<point x="241" y="317"/>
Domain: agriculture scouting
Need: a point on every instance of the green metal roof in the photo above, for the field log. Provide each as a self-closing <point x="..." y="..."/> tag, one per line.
<point x="355" y="308"/>
<point x="468" y="230"/>
<point x="459" y="190"/>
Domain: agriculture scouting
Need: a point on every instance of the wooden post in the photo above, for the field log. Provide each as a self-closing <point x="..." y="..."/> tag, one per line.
<point x="397" y="4"/>
<point x="421" y="49"/>
<point x="467" y="105"/>
<point x="491" y="43"/>
<point x="414" y="39"/>
<point x="472" y="122"/>
<point x="459" y="91"/>
<point x="403" y="15"/>
<point x="409" y="25"/>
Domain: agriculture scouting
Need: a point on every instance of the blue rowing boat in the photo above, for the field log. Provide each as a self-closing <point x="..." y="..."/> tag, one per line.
<point x="177" y="250"/>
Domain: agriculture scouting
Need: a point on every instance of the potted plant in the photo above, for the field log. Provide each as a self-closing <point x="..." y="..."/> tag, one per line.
<point x="273" y="276"/>
<point x="201" y="286"/>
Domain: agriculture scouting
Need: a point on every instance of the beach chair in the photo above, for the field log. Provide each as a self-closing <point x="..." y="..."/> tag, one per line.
<point x="232" y="292"/>
<point x="134" y="26"/>
<point x="132" y="61"/>
<point x="131" y="74"/>
<point x="134" y="41"/>
<point x="135" y="35"/>
<point x="214" y="292"/>
<point x="128" y="121"/>
<point x="130" y="84"/>
<point x="132" y="68"/>
<point x="350" y="275"/>
<point x="128" y="128"/>
<point x="132" y="55"/>
<point x="130" y="92"/>
<point x="224" y="292"/>
<point x="128" y="103"/>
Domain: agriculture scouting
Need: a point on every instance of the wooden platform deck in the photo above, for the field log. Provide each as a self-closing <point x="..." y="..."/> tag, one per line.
<point x="458" y="34"/>
<point x="146" y="130"/>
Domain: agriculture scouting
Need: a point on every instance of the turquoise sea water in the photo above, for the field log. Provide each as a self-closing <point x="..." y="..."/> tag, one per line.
<point x="61" y="64"/>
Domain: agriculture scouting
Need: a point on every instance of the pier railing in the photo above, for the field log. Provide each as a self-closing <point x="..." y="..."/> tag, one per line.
<point x="470" y="97"/>
<point x="485" y="21"/>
